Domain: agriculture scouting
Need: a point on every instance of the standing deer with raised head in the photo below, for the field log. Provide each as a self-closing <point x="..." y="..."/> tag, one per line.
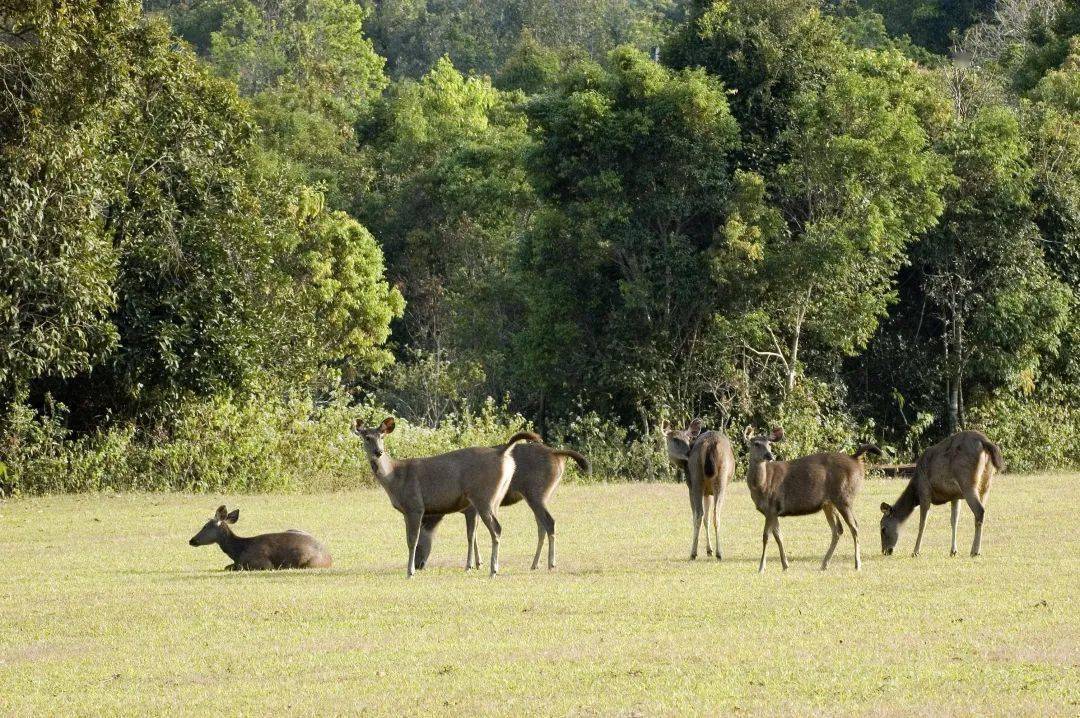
<point x="707" y="463"/>
<point x="476" y="477"/>
<point x="826" y="482"/>
<point x="538" y="469"/>
<point x="960" y="467"/>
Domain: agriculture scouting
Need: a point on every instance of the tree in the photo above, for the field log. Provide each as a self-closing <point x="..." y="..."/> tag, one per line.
<point x="983" y="311"/>
<point x="929" y="23"/>
<point x="57" y="260"/>
<point x="310" y="74"/>
<point x="837" y="177"/>
<point x="632" y="162"/>
<point x="194" y="271"/>
<point x="449" y="201"/>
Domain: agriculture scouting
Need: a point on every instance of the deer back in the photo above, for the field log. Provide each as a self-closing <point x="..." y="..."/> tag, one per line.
<point x="288" y="549"/>
<point x="444" y="481"/>
<point x="812" y="480"/>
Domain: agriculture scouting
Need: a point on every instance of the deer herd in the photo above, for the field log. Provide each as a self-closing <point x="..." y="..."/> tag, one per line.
<point x="477" y="480"/>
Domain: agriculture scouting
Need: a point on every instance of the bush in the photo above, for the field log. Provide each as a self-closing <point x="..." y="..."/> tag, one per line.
<point x="1034" y="435"/>
<point x="613" y="454"/>
<point x="218" y="445"/>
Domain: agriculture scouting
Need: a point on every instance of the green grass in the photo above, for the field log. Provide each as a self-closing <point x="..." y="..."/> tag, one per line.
<point x="105" y="609"/>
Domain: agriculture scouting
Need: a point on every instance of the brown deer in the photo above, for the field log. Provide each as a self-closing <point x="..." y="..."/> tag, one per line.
<point x="961" y="466"/>
<point x="538" y="469"/>
<point x="476" y="477"/>
<point x="288" y="549"/>
<point x="707" y="463"/>
<point x="820" y="482"/>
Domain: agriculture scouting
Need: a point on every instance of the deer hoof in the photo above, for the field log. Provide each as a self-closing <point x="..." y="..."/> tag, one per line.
<point x="953" y="552"/>
<point x="708" y="552"/>
<point x="914" y="554"/>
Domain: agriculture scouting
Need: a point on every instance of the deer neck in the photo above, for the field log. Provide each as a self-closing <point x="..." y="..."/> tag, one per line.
<point x="230" y="543"/>
<point x="383" y="468"/>
<point x="756" y="471"/>
<point x="905" y="505"/>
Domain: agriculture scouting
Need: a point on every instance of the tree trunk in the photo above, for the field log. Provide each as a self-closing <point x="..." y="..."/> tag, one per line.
<point x="541" y="417"/>
<point x="954" y="404"/>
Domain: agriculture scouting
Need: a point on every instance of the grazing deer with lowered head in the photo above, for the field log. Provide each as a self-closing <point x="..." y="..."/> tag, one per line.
<point x="538" y="469"/>
<point x="476" y="477"/>
<point x="820" y="482"/>
<point x="707" y="462"/>
<point x="961" y="466"/>
<point x="288" y="549"/>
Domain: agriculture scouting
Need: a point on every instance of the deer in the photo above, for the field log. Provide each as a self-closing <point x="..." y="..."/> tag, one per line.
<point x="707" y="463"/>
<point x="826" y="482"/>
<point x="961" y="466"/>
<point x="288" y="549"/>
<point x="538" y="469"/>
<point x="476" y="477"/>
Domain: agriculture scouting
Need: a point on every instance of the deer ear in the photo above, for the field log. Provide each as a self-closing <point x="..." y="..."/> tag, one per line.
<point x="695" y="427"/>
<point x="387" y="425"/>
<point x="221" y="513"/>
<point x="233" y="516"/>
<point x="748" y="432"/>
<point x="777" y="434"/>
<point x="885" y="508"/>
<point x="356" y="426"/>
<point x="664" y="426"/>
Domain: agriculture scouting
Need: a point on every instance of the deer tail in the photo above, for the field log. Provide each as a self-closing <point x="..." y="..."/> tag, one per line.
<point x="710" y="464"/>
<point x="580" y="459"/>
<point x="995" y="454"/>
<point x="520" y="436"/>
<point x="866" y="449"/>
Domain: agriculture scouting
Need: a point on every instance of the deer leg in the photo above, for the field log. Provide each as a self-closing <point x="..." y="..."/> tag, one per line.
<point x="979" y="511"/>
<point x="837" y="530"/>
<point x="955" y="505"/>
<point x="764" y="543"/>
<point x="427" y="536"/>
<point x="470" y="534"/>
<point x="696" y="512"/>
<point x="718" y="502"/>
<point x="493" y="527"/>
<point x="849" y="519"/>
<point x="924" y="510"/>
<point x="541" y="534"/>
<point x="545" y="527"/>
<point x="706" y="509"/>
<point x="412" y="537"/>
<point x="549" y="524"/>
<point x="779" y="542"/>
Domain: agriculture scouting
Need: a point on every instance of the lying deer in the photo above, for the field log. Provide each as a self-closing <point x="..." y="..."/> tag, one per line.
<point x="961" y="466"/>
<point x="289" y="549"/>
<point x="820" y="482"/>
<point x="537" y="471"/>
<point x="476" y="477"/>
<point x="707" y="463"/>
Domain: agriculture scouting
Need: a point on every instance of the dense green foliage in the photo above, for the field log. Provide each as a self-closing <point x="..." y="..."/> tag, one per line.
<point x="222" y="212"/>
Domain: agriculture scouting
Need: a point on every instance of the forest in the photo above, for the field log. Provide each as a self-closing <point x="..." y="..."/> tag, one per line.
<point x="230" y="226"/>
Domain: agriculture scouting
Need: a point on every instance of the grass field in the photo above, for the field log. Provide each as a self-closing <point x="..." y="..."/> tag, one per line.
<point x="105" y="609"/>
